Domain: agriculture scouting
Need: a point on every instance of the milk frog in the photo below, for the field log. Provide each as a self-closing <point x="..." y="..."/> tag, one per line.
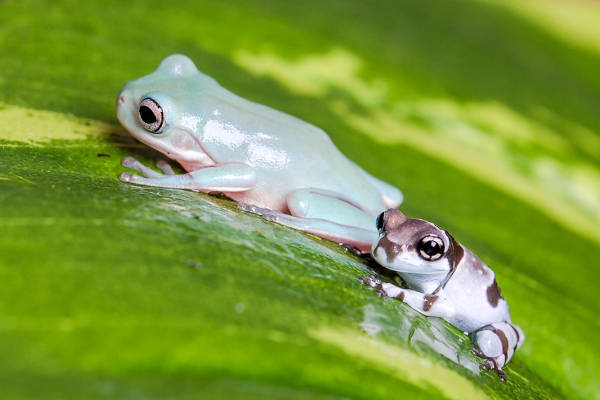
<point x="269" y="162"/>
<point x="445" y="279"/>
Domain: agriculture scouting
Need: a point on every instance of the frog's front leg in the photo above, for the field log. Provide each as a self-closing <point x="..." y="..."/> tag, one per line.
<point x="220" y="178"/>
<point x="432" y="305"/>
<point x="497" y="343"/>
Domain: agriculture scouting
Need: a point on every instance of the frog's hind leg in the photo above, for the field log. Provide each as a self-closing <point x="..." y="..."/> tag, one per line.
<point x="342" y="234"/>
<point x="391" y="195"/>
<point x="497" y="343"/>
<point x="325" y="214"/>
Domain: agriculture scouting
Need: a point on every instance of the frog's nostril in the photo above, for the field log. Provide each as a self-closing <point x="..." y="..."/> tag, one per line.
<point x="121" y="99"/>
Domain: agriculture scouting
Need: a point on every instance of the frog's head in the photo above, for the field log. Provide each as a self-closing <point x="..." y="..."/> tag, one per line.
<point x="153" y="109"/>
<point x="414" y="246"/>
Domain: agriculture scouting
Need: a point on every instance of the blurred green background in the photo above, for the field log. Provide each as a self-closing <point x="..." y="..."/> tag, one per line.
<point x="485" y="113"/>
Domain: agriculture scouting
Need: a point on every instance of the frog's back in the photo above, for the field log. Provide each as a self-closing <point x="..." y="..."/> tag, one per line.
<point x="283" y="149"/>
<point x="475" y="293"/>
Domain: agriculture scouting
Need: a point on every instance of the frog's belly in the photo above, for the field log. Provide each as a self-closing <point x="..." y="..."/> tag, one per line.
<point x="273" y="199"/>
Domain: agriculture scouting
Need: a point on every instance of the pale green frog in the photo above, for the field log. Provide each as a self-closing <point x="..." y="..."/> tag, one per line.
<point x="270" y="162"/>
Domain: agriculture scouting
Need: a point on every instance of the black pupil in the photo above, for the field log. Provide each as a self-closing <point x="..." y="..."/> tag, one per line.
<point x="431" y="248"/>
<point x="147" y="115"/>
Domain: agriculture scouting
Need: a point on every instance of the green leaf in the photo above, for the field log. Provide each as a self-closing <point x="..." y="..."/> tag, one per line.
<point x="485" y="114"/>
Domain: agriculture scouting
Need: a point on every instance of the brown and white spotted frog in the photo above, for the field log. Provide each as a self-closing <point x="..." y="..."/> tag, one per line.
<point x="446" y="280"/>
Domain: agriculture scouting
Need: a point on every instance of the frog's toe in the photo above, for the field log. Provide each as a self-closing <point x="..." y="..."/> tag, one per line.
<point x="252" y="208"/>
<point x="488" y="364"/>
<point x="129" y="162"/>
<point x="354" y="250"/>
<point x="267" y="214"/>
<point x="270" y="217"/>
<point x="371" y="281"/>
<point x="364" y="280"/>
<point x="125" y="177"/>
<point x="501" y="374"/>
<point x="491" y="365"/>
<point x="133" y="178"/>
<point x="165" y="167"/>
<point x="132" y="163"/>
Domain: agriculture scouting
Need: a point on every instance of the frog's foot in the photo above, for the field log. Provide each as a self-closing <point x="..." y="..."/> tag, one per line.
<point x="375" y="284"/>
<point x="263" y="212"/>
<point x="354" y="250"/>
<point x="490" y="365"/>
<point x="497" y="343"/>
<point x="132" y="163"/>
<point x="371" y="281"/>
<point x="266" y="213"/>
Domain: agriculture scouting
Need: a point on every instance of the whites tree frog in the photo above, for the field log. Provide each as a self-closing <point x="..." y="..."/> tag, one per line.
<point x="446" y="280"/>
<point x="270" y="162"/>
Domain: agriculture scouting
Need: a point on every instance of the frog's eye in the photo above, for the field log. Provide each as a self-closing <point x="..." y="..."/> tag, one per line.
<point x="379" y="222"/>
<point x="151" y="115"/>
<point x="431" y="248"/>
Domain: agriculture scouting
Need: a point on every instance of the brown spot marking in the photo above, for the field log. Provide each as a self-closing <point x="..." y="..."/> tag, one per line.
<point x="504" y="340"/>
<point x="400" y="296"/>
<point x="479" y="266"/>
<point x="409" y="232"/>
<point x="429" y="301"/>
<point x="516" y="333"/>
<point x="456" y="252"/>
<point x="391" y="248"/>
<point x="455" y="255"/>
<point x="493" y="294"/>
